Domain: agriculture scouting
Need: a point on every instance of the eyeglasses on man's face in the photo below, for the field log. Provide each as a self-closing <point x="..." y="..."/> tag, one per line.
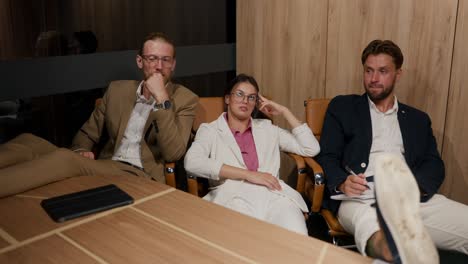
<point x="166" y="61"/>
<point x="239" y="97"/>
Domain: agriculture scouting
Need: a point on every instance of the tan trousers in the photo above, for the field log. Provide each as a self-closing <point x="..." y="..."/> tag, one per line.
<point x="444" y="219"/>
<point x="27" y="162"/>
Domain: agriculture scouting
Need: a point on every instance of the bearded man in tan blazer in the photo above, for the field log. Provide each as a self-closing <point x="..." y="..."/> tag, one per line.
<point x="148" y="123"/>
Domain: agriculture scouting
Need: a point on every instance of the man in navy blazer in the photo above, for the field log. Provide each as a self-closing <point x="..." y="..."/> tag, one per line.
<point x="357" y="128"/>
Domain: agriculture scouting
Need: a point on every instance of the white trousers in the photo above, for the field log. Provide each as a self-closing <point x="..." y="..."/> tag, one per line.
<point x="259" y="202"/>
<point x="445" y="220"/>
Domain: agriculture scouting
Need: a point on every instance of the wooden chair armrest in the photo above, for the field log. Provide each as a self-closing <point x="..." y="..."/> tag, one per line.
<point x="313" y="164"/>
<point x="192" y="185"/>
<point x="315" y="185"/>
<point x="335" y="227"/>
<point x="301" y="172"/>
<point x="169" y="171"/>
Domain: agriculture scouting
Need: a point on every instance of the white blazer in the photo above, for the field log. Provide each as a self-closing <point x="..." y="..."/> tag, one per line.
<point x="215" y="145"/>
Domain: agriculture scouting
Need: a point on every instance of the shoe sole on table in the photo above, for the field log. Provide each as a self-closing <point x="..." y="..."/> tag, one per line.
<point x="398" y="199"/>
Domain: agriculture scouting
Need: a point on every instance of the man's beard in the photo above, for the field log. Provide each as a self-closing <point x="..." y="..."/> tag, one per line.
<point x="382" y="95"/>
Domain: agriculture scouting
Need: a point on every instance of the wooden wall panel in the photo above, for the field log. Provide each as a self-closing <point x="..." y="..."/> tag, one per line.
<point x="104" y="20"/>
<point x="120" y="25"/>
<point x="5" y="30"/>
<point x="20" y="25"/>
<point x="424" y="30"/>
<point x="283" y="45"/>
<point x="455" y="147"/>
<point x="249" y="45"/>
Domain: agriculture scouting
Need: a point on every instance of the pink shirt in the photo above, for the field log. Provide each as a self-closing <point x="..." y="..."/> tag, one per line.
<point x="246" y="143"/>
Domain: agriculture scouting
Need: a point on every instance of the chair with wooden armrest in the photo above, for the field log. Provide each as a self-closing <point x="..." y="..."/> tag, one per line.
<point x="169" y="167"/>
<point x="315" y="110"/>
<point x="208" y="110"/>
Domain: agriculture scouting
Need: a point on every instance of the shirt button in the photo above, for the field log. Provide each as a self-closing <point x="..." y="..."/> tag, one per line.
<point x="363" y="165"/>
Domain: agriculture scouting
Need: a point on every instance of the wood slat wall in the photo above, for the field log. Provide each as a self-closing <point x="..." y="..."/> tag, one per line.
<point x="455" y="148"/>
<point x="19" y="27"/>
<point x="324" y="46"/>
<point x="283" y="44"/>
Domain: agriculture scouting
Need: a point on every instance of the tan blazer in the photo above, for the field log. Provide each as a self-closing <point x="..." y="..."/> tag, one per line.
<point x="166" y="132"/>
<point x="215" y="145"/>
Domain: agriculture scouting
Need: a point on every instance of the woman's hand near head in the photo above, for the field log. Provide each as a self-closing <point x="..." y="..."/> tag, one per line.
<point x="271" y="108"/>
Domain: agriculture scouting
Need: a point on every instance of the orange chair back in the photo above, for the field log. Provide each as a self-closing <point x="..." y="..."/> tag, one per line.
<point x="315" y="110"/>
<point x="208" y="110"/>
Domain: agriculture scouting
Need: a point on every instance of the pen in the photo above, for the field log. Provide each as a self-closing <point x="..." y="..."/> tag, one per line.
<point x="349" y="170"/>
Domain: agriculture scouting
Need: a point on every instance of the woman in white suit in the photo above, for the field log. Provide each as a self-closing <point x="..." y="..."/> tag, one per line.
<point x="241" y="157"/>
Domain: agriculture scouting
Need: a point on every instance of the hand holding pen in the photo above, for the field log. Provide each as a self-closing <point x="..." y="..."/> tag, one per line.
<point x="349" y="170"/>
<point x="355" y="184"/>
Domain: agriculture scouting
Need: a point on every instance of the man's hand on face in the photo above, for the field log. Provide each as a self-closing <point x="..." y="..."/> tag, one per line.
<point x="87" y="154"/>
<point x="157" y="88"/>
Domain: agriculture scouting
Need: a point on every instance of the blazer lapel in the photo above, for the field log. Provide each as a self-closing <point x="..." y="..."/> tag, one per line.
<point x="261" y="142"/>
<point x="365" y="119"/>
<point x="127" y="103"/>
<point x="227" y="137"/>
<point x="405" y="125"/>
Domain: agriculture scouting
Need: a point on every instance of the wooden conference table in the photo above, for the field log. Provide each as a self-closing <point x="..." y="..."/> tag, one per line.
<point x="164" y="225"/>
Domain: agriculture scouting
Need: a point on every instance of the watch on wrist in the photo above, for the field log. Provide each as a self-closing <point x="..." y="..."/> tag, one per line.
<point x="164" y="105"/>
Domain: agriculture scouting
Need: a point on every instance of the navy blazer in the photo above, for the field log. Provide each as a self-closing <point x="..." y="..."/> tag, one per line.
<point x="347" y="137"/>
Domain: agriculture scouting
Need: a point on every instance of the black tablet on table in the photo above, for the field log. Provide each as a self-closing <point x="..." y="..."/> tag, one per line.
<point x="73" y="205"/>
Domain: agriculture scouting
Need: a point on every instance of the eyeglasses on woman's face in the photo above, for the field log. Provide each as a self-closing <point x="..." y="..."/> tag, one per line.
<point x="239" y="96"/>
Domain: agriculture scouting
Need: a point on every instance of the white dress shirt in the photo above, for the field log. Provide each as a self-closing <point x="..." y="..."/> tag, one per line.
<point x="129" y="149"/>
<point x="386" y="134"/>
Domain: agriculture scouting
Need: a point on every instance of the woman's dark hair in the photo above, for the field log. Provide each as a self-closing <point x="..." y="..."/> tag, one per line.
<point x="240" y="79"/>
<point x="244" y="78"/>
